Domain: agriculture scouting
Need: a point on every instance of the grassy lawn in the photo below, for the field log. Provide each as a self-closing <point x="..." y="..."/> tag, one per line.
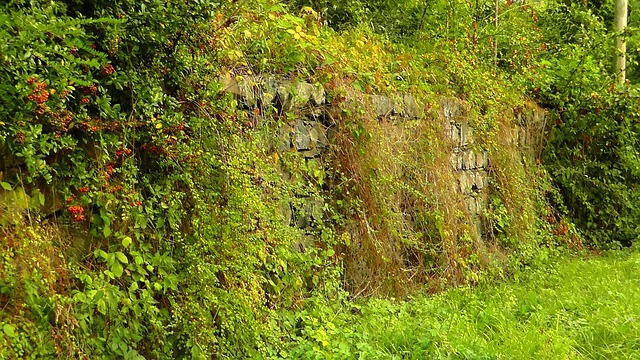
<point x="579" y="309"/>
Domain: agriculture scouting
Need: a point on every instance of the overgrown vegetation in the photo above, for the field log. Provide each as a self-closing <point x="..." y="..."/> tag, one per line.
<point x="579" y="308"/>
<point x="146" y="213"/>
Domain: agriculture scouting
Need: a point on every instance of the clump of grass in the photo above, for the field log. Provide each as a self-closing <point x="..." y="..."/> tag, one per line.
<point x="580" y="308"/>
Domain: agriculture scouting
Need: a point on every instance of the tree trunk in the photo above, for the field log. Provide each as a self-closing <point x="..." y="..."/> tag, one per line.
<point x="495" y="40"/>
<point x="620" y="23"/>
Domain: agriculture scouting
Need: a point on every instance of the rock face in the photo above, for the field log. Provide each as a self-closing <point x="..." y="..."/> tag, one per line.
<point x="310" y="137"/>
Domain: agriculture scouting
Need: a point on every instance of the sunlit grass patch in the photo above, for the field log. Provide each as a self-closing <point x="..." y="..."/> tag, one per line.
<point x="580" y="308"/>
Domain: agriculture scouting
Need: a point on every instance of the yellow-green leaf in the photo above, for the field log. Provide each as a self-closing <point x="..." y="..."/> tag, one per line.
<point x="9" y="330"/>
<point x="122" y="257"/>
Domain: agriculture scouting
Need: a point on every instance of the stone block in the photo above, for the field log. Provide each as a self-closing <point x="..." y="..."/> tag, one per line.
<point x="454" y="134"/>
<point x="454" y="160"/>
<point x="311" y="209"/>
<point x="382" y="105"/>
<point x="451" y="109"/>
<point x="481" y="205"/>
<point x="283" y="96"/>
<point x="317" y="209"/>
<point x="301" y="137"/>
<point x="480" y="159"/>
<point x="318" y="135"/>
<point x="481" y="180"/>
<point x="471" y="205"/>
<point x="485" y="160"/>
<point x="298" y="94"/>
<point x="269" y="91"/>
<point x="246" y="89"/>
<point x="459" y="160"/>
<point x="469" y="160"/>
<point x="465" y="182"/>
<point x="522" y="137"/>
<point x="286" y="212"/>
<point x="283" y="139"/>
<point x="284" y="172"/>
<point x="249" y="92"/>
<point x="466" y="134"/>
<point x="305" y="93"/>
<point x="229" y="84"/>
<point x="318" y="94"/>
<point x="302" y="216"/>
<point x="306" y="243"/>
<point x="411" y="106"/>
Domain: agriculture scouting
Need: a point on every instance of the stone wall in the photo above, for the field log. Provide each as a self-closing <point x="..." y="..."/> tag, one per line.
<point x="310" y="135"/>
<point x="469" y="162"/>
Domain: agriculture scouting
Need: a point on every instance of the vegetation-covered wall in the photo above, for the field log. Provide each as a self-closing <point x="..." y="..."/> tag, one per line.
<point x="213" y="179"/>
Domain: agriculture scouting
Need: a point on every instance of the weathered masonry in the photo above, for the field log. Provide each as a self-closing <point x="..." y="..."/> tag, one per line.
<point x="311" y="133"/>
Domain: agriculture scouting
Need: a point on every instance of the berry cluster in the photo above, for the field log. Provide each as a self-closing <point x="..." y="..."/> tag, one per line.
<point x="89" y="126"/>
<point x="20" y="138"/>
<point x="107" y="69"/>
<point x="153" y="149"/>
<point x="114" y="189"/>
<point x="77" y="212"/>
<point x="123" y="151"/>
<point x="60" y="120"/>
<point x="39" y="94"/>
<point x="90" y="90"/>
<point x="108" y="172"/>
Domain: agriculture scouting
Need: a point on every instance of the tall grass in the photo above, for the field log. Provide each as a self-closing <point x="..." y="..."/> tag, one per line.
<point x="581" y="308"/>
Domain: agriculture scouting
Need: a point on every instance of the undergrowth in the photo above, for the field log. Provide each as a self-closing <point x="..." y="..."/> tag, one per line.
<point x="145" y="212"/>
<point x="581" y="307"/>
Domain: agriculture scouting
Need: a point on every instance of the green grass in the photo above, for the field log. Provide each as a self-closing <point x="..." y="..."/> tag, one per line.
<point x="578" y="309"/>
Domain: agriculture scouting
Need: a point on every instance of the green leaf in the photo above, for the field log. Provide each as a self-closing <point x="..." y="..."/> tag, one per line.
<point x="105" y="218"/>
<point x="100" y="253"/>
<point x="5" y="185"/>
<point x="102" y="306"/>
<point x="122" y="257"/>
<point x="126" y="241"/>
<point x="117" y="269"/>
<point x="9" y="330"/>
<point x="106" y="231"/>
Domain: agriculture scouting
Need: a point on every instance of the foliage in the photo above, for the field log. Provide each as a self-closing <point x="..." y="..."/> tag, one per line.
<point x="592" y="149"/>
<point x="114" y="122"/>
<point x="396" y="19"/>
<point x="145" y="212"/>
<point x="581" y="307"/>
